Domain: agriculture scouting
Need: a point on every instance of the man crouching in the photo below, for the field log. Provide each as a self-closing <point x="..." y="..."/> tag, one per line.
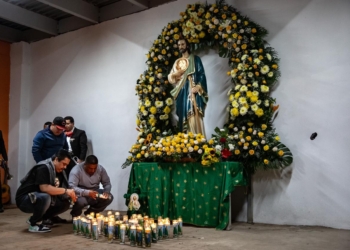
<point x="44" y="192"/>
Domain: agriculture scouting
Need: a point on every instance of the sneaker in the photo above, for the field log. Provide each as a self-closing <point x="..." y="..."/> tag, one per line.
<point x="39" y="229"/>
<point x="47" y="223"/>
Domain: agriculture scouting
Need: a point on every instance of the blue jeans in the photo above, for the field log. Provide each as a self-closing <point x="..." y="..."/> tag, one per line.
<point x="95" y="206"/>
<point x="41" y="209"/>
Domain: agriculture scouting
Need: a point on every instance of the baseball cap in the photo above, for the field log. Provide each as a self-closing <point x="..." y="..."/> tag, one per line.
<point x="59" y="122"/>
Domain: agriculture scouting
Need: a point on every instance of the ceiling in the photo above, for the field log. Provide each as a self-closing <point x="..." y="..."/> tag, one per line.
<point x="34" y="20"/>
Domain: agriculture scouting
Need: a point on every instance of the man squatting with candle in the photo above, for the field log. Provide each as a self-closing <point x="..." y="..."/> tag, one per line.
<point x="85" y="179"/>
<point x="43" y="191"/>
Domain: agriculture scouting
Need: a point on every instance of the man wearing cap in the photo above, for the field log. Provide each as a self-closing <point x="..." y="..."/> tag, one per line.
<point x="48" y="141"/>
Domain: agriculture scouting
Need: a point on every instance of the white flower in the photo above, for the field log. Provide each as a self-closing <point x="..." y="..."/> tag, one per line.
<point x="216" y="21"/>
<point x="250" y="74"/>
<point x="254" y="107"/>
<point x="241" y="31"/>
<point x="267" y="103"/>
<point x="146" y="155"/>
<point x="159" y="75"/>
<point x="244" y="57"/>
<point x="238" y="87"/>
<point x="141" y="140"/>
<point x="211" y="9"/>
<point x="199" y="27"/>
<point x="239" y="21"/>
<point x="218" y="147"/>
<point x="243" y="88"/>
<point x="263" y="142"/>
<point x="235" y="104"/>
<point x="145" y="113"/>
<point x="185" y="141"/>
<point x="222" y="130"/>
<point x="203" y="140"/>
<point x="185" y="135"/>
<point x="242" y="100"/>
<point x="169" y="55"/>
<point x="175" y="46"/>
<point x="254" y="132"/>
<point x="231" y="147"/>
<point x="270" y="74"/>
<point x="243" y="81"/>
<point x="159" y="104"/>
<point x="233" y="74"/>
<point x="229" y="40"/>
<point x="169" y="101"/>
<point x="255" y="93"/>
<point x="145" y="91"/>
<point x="156" y="67"/>
<point x="228" y="31"/>
<point x="160" y="57"/>
<point x="220" y="33"/>
<point x="264" y="89"/>
<point x="148" y="62"/>
<point x="255" y="84"/>
<point x="235" y="136"/>
<point x="190" y="149"/>
<point x="243" y="110"/>
<point x="200" y="151"/>
<point x="245" y="147"/>
<point x="257" y="61"/>
<point x="252" y="38"/>
<point x="237" y="49"/>
<point x="144" y="148"/>
<point x="165" y="117"/>
<point x="148" y="103"/>
<point x="171" y="32"/>
<point x="166" y="38"/>
<point x="265" y="69"/>
<point x="254" y="51"/>
<point x="240" y="66"/>
<point x="258" y="102"/>
<point x="156" y="90"/>
<point x="243" y="128"/>
<point x="152" y="54"/>
<point x="235" y="129"/>
<point x="238" y="42"/>
<point x="268" y="56"/>
<point x="195" y="142"/>
<point x="274" y="149"/>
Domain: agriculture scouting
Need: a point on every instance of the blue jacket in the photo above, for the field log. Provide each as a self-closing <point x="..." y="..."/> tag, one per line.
<point x="46" y="144"/>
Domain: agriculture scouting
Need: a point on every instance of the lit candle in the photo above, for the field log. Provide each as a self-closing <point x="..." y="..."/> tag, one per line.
<point x="117" y="216"/>
<point x="99" y="224"/>
<point x="179" y="226"/>
<point x="94" y="231"/>
<point x="75" y="225"/>
<point x="110" y="231"/>
<point x="92" y="214"/>
<point x="122" y="234"/>
<point x="139" y="236"/>
<point x="160" y="230"/>
<point x="125" y="218"/>
<point x="98" y="215"/>
<point x="116" y="230"/>
<point x="160" y="219"/>
<point x="88" y="229"/>
<point x="166" y="230"/>
<point x="105" y="226"/>
<point x="109" y="213"/>
<point x="83" y="227"/>
<point x="175" y="230"/>
<point x="154" y="232"/>
<point x="79" y="225"/>
<point x="133" y="235"/>
<point x="148" y="238"/>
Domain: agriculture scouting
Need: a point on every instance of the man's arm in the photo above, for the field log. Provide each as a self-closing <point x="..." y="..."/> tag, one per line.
<point x="106" y="183"/>
<point x="83" y="145"/>
<point x="51" y="190"/>
<point x="65" y="145"/>
<point x="74" y="182"/>
<point x="38" y="143"/>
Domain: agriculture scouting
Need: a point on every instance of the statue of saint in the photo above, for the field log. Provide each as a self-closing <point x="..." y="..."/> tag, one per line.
<point x="190" y="90"/>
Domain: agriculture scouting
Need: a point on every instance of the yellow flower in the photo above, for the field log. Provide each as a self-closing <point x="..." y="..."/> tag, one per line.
<point x="266" y="147"/>
<point x="202" y="34"/>
<point x="185" y="150"/>
<point x="263" y="126"/>
<point x="234" y="112"/>
<point x="138" y="156"/>
<point x="253" y="30"/>
<point x="260" y="134"/>
<point x="246" y="23"/>
<point x="266" y="161"/>
<point x="250" y="124"/>
<point x="251" y="152"/>
<point x="248" y="138"/>
<point x="237" y="152"/>
<point x="167" y="110"/>
<point x="249" y="94"/>
<point x="254" y="98"/>
<point x="195" y="148"/>
<point x="259" y="112"/>
<point x="138" y="122"/>
<point x="153" y="110"/>
<point x="176" y="36"/>
<point x="216" y="11"/>
<point x="211" y="142"/>
<point x="274" y="66"/>
<point x="244" y="46"/>
<point x="155" y="59"/>
<point x="223" y="16"/>
<point x="237" y="95"/>
<point x="176" y="53"/>
<point x="280" y="153"/>
<point x="250" y="130"/>
<point x="255" y="143"/>
<point x="277" y="138"/>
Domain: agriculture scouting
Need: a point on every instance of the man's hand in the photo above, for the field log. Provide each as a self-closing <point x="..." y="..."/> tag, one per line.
<point x="71" y="194"/>
<point x="93" y="194"/>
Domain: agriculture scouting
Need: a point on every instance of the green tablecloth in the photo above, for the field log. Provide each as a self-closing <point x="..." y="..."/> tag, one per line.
<point x="200" y="195"/>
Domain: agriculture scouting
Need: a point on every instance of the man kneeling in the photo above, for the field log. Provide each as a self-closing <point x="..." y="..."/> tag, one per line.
<point x="44" y="192"/>
<point x="85" y="179"/>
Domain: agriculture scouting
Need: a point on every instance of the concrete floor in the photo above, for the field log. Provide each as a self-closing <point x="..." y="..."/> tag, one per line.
<point x="14" y="235"/>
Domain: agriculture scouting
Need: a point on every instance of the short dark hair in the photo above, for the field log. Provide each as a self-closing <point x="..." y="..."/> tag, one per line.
<point x="48" y="124"/>
<point x="61" y="155"/>
<point x="91" y="159"/>
<point x="71" y="119"/>
<point x="188" y="47"/>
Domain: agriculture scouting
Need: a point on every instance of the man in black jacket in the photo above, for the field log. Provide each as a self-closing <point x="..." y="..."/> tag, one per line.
<point x="44" y="191"/>
<point x="77" y="142"/>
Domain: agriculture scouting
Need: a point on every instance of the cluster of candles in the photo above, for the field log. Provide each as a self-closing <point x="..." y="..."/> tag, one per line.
<point x="140" y="230"/>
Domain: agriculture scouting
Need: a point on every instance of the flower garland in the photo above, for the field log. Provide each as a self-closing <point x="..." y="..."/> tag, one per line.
<point x="248" y="136"/>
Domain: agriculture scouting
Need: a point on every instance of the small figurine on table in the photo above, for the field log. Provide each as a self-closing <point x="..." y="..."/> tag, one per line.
<point x="134" y="203"/>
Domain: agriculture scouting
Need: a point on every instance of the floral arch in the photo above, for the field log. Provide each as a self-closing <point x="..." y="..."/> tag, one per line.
<point x="248" y="136"/>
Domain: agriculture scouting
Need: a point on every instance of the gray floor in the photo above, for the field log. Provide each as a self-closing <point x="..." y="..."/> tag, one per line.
<point x="14" y="235"/>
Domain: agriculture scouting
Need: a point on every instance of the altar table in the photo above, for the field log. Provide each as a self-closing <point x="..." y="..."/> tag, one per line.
<point x="199" y="194"/>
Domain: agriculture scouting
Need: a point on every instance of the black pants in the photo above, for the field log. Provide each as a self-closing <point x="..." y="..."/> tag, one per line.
<point x="41" y="209"/>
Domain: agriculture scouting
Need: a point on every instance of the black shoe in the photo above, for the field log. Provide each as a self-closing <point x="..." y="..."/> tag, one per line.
<point x="39" y="229"/>
<point x="47" y="223"/>
<point x="58" y="220"/>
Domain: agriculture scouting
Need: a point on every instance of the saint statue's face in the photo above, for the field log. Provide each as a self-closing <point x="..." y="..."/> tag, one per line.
<point x="182" y="46"/>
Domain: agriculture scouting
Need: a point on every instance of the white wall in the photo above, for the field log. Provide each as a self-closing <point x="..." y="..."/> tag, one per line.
<point x="91" y="74"/>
